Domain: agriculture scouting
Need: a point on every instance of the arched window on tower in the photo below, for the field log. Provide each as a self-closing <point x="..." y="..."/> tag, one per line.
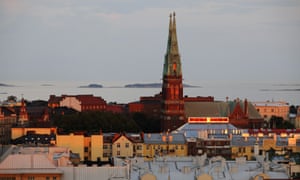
<point x="177" y="92"/>
<point x="174" y="67"/>
<point x="172" y="92"/>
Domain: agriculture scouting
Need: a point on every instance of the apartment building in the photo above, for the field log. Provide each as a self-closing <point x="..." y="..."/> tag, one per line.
<point x="268" y="109"/>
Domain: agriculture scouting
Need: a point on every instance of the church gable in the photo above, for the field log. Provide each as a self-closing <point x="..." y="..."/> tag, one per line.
<point x="237" y="112"/>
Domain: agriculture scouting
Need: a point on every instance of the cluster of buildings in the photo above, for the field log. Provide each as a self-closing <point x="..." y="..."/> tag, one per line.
<point x="212" y="136"/>
<point x="57" y="163"/>
<point x="191" y="128"/>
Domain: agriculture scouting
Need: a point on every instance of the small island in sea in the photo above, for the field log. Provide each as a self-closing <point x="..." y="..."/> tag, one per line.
<point x="47" y="85"/>
<point x="92" y="86"/>
<point x="6" y="85"/>
<point x="153" y="85"/>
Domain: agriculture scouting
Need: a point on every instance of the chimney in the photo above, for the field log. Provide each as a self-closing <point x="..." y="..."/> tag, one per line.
<point x="246" y="107"/>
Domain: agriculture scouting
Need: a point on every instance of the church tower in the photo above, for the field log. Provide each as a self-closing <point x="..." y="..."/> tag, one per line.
<point x="172" y="114"/>
<point x="23" y="115"/>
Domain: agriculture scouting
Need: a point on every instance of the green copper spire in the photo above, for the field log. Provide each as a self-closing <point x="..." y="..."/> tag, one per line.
<point x="172" y="64"/>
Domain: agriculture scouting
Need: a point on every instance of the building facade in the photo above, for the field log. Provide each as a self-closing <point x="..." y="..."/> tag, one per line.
<point x="268" y="109"/>
<point x="8" y="119"/>
<point x="164" y="144"/>
<point x="80" y="103"/>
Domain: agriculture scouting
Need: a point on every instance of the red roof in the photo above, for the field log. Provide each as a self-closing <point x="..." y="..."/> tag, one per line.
<point x="90" y="100"/>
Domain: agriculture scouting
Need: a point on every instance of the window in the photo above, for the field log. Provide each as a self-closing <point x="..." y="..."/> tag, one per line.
<point x="127" y="145"/>
<point x="86" y="149"/>
<point x="182" y="147"/>
<point x="118" y="145"/>
<point x="47" y="178"/>
<point x="148" y="147"/>
<point x="30" y="177"/>
<point x="105" y="146"/>
<point x="139" y="147"/>
<point x="54" y="177"/>
<point x="118" y="153"/>
<point x="242" y="150"/>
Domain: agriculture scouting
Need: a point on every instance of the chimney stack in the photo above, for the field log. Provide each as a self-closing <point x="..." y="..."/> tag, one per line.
<point x="246" y="107"/>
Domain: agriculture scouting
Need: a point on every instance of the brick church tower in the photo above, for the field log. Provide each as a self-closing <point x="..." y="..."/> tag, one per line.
<point x="172" y="112"/>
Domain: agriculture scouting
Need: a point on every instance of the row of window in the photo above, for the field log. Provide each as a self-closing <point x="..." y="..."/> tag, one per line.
<point x="273" y="110"/>
<point x="213" y="143"/>
<point x="138" y="147"/>
<point x="94" y="107"/>
<point x="159" y="147"/>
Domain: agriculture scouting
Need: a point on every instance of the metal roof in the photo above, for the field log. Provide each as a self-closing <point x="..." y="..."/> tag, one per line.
<point x="163" y="138"/>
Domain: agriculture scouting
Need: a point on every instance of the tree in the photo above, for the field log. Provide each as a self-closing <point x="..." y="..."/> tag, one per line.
<point x="279" y="123"/>
<point x="94" y="121"/>
<point x="11" y="99"/>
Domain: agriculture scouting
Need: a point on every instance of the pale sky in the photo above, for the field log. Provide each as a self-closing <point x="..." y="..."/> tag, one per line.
<point x="126" y="40"/>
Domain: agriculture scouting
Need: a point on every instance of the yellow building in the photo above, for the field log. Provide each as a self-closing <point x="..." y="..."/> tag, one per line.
<point x="88" y="147"/>
<point x="272" y="108"/>
<point x="97" y="147"/>
<point x="76" y="143"/>
<point x="164" y="144"/>
<point x="122" y="146"/>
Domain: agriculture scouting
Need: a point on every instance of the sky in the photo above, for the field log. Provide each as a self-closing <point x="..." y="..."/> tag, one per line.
<point x="126" y="40"/>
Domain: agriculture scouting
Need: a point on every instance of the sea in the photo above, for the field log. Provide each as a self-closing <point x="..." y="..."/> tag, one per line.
<point x="116" y="92"/>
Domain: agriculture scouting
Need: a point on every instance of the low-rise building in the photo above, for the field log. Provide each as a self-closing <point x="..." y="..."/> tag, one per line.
<point x="268" y="109"/>
<point x="80" y="103"/>
<point x="165" y="144"/>
<point x="8" y="119"/>
<point x="17" y="132"/>
<point x="209" y="135"/>
<point x="28" y="166"/>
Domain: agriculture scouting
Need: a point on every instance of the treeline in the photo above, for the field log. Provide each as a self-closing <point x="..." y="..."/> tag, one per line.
<point x="106" y="122"/>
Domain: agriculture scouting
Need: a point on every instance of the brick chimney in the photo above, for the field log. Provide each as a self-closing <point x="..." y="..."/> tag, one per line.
<point x="246" y="107"/>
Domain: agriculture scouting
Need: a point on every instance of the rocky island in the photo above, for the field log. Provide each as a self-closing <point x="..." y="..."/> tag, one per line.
<point x="92" y="86"/>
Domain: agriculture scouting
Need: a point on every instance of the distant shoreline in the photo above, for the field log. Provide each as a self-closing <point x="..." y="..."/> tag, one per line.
<point x="154" y="85"/>
<point x="134" y="85"/>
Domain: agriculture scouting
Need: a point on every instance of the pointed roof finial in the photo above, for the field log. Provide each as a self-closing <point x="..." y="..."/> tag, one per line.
<point x="174" y="13"/>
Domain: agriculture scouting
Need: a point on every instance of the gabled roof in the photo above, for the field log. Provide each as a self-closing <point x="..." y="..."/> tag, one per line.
<point x="54" y="99"/>
<point x="118" y="136"/>
<point x="90" y="99"/>
<point x="206" y="109"/>
<point x="218" y="109"/>
<point x="194" y="130"/>
<point x="85" y="99"/>
<point x="8" y="111"/>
